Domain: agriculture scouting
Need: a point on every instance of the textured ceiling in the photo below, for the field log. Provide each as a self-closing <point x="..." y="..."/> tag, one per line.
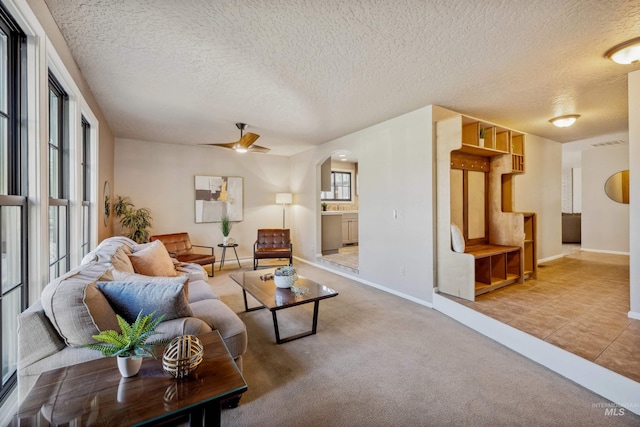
<point x="303" y="72"/>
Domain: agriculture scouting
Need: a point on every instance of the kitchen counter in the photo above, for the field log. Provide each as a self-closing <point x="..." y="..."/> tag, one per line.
<point x="337" y="212"/>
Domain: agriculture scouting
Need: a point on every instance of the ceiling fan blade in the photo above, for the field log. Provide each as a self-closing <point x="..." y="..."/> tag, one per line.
<point x="245" y="142"/>
<point x="258" y="149"/>
<point x="226" y="145"/>
<point x="247" y="139"/>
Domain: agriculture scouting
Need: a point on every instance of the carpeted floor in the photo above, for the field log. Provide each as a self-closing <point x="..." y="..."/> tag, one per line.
<point x="380" y="360"/>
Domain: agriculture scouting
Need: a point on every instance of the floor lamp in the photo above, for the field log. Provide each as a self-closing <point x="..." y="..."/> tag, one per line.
<point x="284" y="199"/>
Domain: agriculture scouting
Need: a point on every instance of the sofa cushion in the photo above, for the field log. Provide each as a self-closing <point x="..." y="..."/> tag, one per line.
<point x="219" y="316"/>
<point x="122" y="276"/>
<point x="128" y="299"/>
<point x="153" y="260"/>
<point x="200" y="290"/>
<point x="75" y="308"/>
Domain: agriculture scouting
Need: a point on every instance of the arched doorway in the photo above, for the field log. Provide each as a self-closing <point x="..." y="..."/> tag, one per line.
<point x="338" y="195"/>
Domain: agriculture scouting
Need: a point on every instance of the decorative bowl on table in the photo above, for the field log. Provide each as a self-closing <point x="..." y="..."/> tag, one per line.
<point x="285" y="277"/>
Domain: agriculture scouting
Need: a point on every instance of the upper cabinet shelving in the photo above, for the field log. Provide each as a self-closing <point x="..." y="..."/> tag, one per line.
<point x="489" y="140"/>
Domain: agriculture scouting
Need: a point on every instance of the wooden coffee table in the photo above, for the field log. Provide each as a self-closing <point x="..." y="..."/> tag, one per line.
<point x="274" y="298"/>
<point x="94" y="393"/>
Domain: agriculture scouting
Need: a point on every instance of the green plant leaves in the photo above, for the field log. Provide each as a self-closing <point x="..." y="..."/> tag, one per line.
<point x="132" y="340"/>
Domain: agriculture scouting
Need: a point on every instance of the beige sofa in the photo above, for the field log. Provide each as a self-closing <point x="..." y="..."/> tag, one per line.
<point x="52" y="332"/>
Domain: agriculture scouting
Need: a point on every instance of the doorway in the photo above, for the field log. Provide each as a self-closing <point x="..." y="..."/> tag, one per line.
<point x="338" y="196"/>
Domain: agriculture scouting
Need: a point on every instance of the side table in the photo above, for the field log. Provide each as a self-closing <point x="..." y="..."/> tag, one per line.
<point x="94" y="393"/>
<point x="224" y="252"/>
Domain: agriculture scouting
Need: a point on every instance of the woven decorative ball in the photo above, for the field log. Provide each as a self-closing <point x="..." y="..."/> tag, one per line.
<point x="182" y="356"/>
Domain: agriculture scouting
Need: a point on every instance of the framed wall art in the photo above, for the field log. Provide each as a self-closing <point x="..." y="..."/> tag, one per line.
<point x="218" y="196"/>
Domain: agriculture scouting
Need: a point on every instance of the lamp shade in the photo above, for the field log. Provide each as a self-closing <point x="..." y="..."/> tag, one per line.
<point x="284" y="198"/>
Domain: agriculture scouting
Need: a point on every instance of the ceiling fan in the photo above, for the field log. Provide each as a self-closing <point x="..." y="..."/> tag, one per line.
<point x="245" y="143"/>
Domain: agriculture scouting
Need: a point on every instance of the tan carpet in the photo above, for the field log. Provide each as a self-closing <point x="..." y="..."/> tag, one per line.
<point x="379" y="360"/>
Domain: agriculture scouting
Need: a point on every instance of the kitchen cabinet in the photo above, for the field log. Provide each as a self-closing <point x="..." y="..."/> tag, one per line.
<point x="349" y="228"/>
<point x="331" y="232"/>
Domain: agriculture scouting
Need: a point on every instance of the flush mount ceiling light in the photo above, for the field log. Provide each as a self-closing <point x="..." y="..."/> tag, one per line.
<point x="564" y="121"/>
<point x="625" y="53"/>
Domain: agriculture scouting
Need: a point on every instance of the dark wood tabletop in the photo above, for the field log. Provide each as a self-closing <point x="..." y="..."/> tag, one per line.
<point x="94" y="393"/>
<point x="275" y="298"/>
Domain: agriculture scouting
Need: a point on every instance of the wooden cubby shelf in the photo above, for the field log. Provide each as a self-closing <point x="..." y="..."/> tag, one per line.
<point x="495" y="266"/>
<point x="479" y="162"/>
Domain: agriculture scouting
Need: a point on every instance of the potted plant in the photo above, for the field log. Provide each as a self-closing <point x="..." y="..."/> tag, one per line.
<point x="138" y="221"/>
<point x="130" y="345"/>
<point x="481" y="135"/>
<point x="324" y="206"/>
<point x="285" y="277"/>
<point x="225" y="227"/>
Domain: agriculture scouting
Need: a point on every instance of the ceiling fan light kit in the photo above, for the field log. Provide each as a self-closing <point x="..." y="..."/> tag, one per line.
<point x="625" y="53"/>
<point x="564" y="121"/>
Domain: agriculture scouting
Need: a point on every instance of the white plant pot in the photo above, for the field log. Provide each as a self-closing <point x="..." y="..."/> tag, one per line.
<point x="481" y="142"/>
<point x="285" y="281"/>
<point x="225" y="240"/>
<point x="129" y="366"/>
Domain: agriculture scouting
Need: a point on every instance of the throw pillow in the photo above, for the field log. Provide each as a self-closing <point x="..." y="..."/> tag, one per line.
<point x="75" y="307"/>
<point x="121" y="261"/>
<point x="457" y="240"/>
<point x="153" y="260"/>
<point x="128" y="299"/>
<point x="123" y="276"/>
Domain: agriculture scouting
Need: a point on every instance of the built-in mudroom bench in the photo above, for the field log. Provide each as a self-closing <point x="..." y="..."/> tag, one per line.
<point x="495" y="266"/>
<point x="482" y="244"/>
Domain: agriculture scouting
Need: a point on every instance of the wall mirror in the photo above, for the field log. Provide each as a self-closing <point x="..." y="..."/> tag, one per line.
<point x="617" y="187"/>
<point x="107" y="203"/>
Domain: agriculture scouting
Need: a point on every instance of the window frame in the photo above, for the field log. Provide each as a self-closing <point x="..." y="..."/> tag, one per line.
<point x="85" y="244"/>
<point x="334" y="189"/>
<point x="60" y="262"/>
<point x="16" y="180"/>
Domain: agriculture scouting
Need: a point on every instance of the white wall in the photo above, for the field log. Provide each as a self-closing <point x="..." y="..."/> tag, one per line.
<point x="396" y="173"/>
<point x="161" y="177"/>
<point x="605" y="223"/>
<point x="539" y="190"/>
<point x="634" y="196"/>
<point x="395" y="161"/>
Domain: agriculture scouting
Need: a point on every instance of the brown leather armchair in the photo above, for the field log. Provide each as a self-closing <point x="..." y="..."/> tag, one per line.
<point x="272" y="243"/>
<point x="180" y="247"/>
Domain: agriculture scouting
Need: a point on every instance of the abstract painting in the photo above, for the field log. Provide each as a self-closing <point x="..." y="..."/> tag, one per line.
<point x="218" y="196"/>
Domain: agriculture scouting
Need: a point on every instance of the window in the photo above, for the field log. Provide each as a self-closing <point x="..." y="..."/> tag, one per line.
<point x="59" y="259"/>
<point x="86" y="187"/>
<point x="13" y="200"/>
<point x="340" y="187"/>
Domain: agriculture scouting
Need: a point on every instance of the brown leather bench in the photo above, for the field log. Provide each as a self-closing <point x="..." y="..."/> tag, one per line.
<point x="272" y="243"/>
<point x="180" y="247"/>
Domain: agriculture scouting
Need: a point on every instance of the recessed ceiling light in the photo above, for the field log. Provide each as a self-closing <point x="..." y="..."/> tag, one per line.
<point x="342" y="155"/>
<point x="625" y="53"/>
<point x="564" y="121"/>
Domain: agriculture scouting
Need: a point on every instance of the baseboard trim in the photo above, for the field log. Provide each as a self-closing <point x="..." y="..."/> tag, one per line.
<point x="634" y="315"/>
<point x="551" y="258"/>
<point x="365" y="282"/>
<point x="617" y="388"/>
<point x="605" y="252"/>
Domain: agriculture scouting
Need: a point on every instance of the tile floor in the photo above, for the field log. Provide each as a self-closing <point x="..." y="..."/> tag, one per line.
<point x="347" y="256"/>
<point x="579" y="303"/>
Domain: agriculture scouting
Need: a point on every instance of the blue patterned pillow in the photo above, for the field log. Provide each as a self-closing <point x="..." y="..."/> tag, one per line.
<point x="129" y="298"/>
